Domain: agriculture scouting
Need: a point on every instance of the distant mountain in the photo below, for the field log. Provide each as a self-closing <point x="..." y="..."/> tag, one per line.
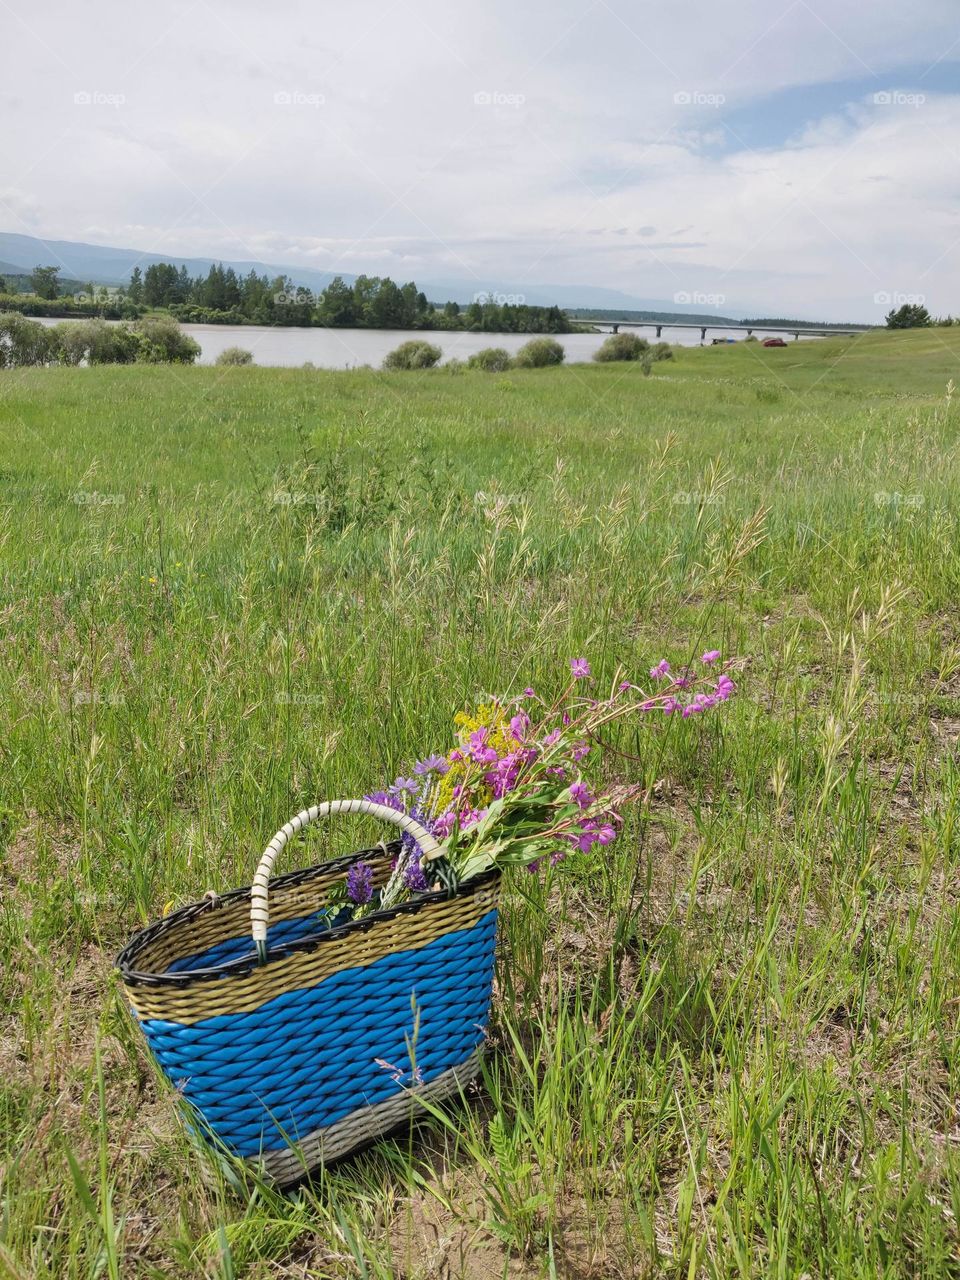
<point x="103" y="264"/>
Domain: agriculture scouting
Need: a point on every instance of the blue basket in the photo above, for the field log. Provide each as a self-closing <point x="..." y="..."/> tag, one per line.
<point x="330" y="1033"/>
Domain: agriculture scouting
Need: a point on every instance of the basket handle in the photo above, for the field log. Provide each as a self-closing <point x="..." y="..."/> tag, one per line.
<point x="259" y="911"/>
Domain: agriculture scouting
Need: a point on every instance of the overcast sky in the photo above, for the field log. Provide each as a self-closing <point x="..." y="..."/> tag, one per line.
<point x="787" y="157"/>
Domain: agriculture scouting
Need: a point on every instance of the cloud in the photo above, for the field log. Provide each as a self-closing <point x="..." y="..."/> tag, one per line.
<point x="538" y="143"/>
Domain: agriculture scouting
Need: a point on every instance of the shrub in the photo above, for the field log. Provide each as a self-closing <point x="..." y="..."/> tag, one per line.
<point x="621" y="346"/>
<point x="490" y="360"/>
<point x="662" y="351"/>
<point x="96" y="342"/>
<point x="162" y="341"/>
<point x="415" y="354"/>
<point x="539" y="353"/>
<point x="234" y="355"/>
<point x="24" y="342"/>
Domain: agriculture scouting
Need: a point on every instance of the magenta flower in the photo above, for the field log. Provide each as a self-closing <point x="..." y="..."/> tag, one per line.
<point x="710" y="656"/>
<point x="519" y="724"/>
<point x="552" y="737"/>
<point x="661" y="670"/>
<point x="528" y="693"/>
<point x="580" y="668"/>
<point x="580" y="794"/>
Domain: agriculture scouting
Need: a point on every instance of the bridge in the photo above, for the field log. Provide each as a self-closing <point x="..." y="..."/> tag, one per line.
<point x="614" y="326"/>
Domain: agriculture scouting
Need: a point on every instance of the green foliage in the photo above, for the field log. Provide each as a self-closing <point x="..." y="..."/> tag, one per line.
<point x="490" y="360"/>
<point x="908" y="316"/>
<point x="539" y="353"/>
<point x="162" y="341"/>
<point x="415" y="354"/>
<point x="621" y="346"/>
<point x="95" y="342"/>
<point x="234" y="356"/>
<point x="45" y="282"/>
<point x="23" y="342"/>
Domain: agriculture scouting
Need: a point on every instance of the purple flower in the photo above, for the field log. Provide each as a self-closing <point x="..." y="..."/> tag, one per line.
<point x="625" y="685"/>
<point x="432" y="764"/>
<point x="528" y="693"/>
<point x="580" y="668"/>
<point x="580" y="750"/>
<point x="405" y="784"/>
<point x="360" y="883"/>
<point x="580" y="794"/>
<point x="710" y="656"/>
<point x="552" y="737"/>
<point x="443" y="825"/>
<point x="385" y="798"/>
<point x="414" y="878"/>
<point x="661" y="670"/>
<point x="606" y="833"/>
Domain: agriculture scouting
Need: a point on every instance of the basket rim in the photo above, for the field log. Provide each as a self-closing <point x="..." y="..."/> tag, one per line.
<point x="133" y="977"/>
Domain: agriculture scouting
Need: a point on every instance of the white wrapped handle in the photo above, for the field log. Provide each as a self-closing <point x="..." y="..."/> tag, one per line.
<point x="259" y="912"/>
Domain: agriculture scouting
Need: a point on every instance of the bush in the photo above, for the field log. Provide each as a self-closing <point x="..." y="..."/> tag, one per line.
<point x="415" y="354"/>
<point x="162" y="341"/>
<point x="662" y="351"/>
<point x="490" y="360"/>
<point x="539" y="353"/>
<point x="234" y="355"/>
<point x="621" y="346"/>
<point x="24" y="342"/>
<point x="96" y="342"/>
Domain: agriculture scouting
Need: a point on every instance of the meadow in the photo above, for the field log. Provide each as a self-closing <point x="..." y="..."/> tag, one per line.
<point x="727" y="1047"/>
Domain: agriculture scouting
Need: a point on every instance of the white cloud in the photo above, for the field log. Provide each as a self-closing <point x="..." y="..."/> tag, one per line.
<point x="352" y="134"/>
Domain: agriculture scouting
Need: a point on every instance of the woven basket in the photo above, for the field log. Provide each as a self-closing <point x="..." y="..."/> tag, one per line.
<point x="294" y="1039"/>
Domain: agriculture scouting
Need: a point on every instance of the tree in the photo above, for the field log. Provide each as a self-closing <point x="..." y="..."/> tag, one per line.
<point x="135" y="292"/>
<point x="909" y="316"/>
<point x="44" y="282"/>
<point x="336" y="304"/>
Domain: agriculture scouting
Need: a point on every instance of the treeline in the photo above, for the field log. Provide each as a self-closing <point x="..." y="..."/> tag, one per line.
<point x="371" y="302"/>
<point x="152" y="340"/>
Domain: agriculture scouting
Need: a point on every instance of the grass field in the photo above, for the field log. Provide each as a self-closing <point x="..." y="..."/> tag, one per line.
<point x="729" y="1050"/>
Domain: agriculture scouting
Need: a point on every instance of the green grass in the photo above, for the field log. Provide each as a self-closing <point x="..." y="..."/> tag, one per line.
<point x="729" y="1051"/>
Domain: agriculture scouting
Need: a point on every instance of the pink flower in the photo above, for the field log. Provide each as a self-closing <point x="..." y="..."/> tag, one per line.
<point x="710" y="656"/>
<point x="661" y="670"/>
<point x="519" y="725"/>
<point x="552" y="737"/>
<point x="580" y="794"/>
<point x="580" y="668"/>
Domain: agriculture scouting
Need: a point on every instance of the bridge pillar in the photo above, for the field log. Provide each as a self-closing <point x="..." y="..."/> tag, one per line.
<point x="659" y="329"/>
<point x="796" y="336"/>
<point x="703" y="335"/>
<point x="616" y="328"/>
<point x="749" y="332"/>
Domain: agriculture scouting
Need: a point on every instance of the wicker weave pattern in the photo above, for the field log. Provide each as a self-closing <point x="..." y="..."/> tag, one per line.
<point x="363" y="1126"/>
<point x="277" y="1061"/>
<point x="423" y="1008"/>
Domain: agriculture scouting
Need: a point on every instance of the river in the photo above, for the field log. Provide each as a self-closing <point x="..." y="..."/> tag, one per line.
<point x="352" y="348"/>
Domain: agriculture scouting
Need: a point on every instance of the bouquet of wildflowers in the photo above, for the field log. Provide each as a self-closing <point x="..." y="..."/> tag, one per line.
<point x="514" y="789"/>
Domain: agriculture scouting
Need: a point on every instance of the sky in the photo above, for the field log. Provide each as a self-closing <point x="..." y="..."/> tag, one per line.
<point x="775" y="157"/>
